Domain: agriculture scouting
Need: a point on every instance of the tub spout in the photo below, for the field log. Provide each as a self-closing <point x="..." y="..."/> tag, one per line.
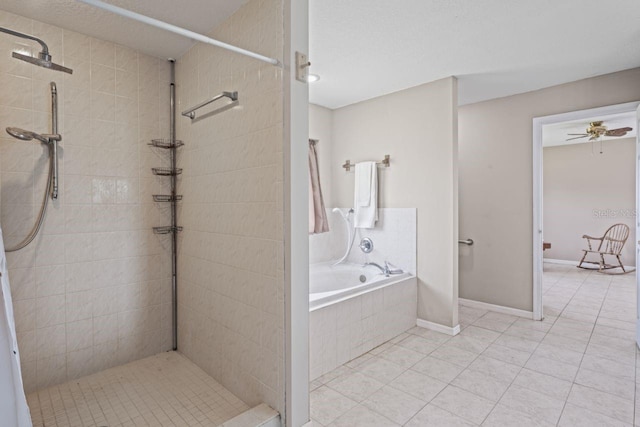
<point x="384" y="270"/>
<point x="387" y="270"/>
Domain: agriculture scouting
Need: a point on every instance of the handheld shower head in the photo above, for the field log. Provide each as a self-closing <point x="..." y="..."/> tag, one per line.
<point x="26" y="135"/>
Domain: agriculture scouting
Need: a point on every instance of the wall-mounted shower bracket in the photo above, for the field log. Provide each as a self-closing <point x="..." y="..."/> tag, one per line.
<point x="166" y="230"/>
<point x="302" y="67"/>
<point x="166" y="171"/>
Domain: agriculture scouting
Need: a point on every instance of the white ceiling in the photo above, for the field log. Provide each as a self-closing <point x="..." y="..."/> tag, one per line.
<point x="197" y="15"/>
<point x="366" y="48"/>
<point x="557" y="133"/>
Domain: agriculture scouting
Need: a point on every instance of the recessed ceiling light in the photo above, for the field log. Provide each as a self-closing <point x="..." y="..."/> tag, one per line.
<point x="312" y="78"/>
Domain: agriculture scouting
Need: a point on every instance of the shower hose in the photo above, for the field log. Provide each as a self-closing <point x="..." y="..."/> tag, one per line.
<point x="43" y="209"/>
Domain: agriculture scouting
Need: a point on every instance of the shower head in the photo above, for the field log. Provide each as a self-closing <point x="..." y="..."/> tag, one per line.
<point x="26" y="135"/>
<point x="43" y="59"/>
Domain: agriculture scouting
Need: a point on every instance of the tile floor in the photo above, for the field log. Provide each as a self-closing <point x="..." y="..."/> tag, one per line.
<point x="162" y="390"/>
<point x="575" y="368"/>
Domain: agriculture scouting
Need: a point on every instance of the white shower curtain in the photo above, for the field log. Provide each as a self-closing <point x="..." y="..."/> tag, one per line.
<point x="13" y="403"/>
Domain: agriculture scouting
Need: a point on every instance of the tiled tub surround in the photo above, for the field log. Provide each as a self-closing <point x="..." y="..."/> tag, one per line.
<point x="578" y="367"/>
<point x="394" y="240"/>
<point x="349" y="318"/>
<point x="349" y="328"/>
<point x="92" y="291"/>
<point x="231" y="262"/>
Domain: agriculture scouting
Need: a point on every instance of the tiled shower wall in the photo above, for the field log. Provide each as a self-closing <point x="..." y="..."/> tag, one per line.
<point x="92" y="291"/>
<point x="231" y="304"/>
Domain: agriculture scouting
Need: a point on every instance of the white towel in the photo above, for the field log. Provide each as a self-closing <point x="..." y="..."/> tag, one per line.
<point x="365" y="203"/>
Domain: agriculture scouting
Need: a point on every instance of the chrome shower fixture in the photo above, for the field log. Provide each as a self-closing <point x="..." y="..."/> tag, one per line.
<point x="43" y="59"/>
<point x="27" y="135"/>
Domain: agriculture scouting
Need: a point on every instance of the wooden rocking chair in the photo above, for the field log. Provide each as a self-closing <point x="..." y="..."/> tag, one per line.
<point x="611" y="243"/>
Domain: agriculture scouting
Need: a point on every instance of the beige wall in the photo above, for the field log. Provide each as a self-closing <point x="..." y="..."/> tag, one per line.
<point x="417" y="127"/>
<point x="496" y="182"/>
<point x="93" y="290"/>
<point x="321" y="128"/>
<point x="231" y="259"/>
<point x="577" y="183"/>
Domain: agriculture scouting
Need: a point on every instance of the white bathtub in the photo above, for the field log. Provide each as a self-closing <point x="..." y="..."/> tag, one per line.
<point x="330" y="284"/>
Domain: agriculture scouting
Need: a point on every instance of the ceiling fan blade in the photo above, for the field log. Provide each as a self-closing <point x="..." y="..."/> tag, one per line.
<point x="581" y="134"/>
<point x="576" y="137"/>
<point x="618" y="132"/>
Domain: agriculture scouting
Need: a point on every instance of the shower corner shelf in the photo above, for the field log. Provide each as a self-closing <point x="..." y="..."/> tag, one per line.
<point x="166" y="230"/>
<point x="166" y="198"/>
<point x="166" y="143"/>
<point x="166" y="171"/>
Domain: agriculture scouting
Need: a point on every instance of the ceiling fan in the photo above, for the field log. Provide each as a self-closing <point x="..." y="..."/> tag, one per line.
<point x="597" y="129"/>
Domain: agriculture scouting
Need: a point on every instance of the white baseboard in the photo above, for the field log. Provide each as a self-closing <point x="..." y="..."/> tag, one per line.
<point x="438" y="327"/>
<point x="575" y="263"/>
<point x="496" y="308"/>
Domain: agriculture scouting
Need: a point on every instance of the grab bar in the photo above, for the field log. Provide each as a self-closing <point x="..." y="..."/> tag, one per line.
<point x="191" y="112"/>
<point x="466" y="242"/>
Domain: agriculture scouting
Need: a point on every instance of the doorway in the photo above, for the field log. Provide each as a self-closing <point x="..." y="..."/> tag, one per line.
<point x="597" y="146"/>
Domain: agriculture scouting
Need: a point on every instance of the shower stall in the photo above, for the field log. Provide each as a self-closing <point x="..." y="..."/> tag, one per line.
<point x="153" y="270"/>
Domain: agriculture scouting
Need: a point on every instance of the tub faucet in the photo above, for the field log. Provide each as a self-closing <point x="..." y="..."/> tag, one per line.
<point x="386" y="270"/>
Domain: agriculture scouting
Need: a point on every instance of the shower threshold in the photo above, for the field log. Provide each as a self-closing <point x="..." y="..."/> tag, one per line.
<point x="162" y="390"/>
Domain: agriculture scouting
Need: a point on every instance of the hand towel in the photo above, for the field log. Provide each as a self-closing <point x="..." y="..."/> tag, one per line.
<point x="365" y="203"/>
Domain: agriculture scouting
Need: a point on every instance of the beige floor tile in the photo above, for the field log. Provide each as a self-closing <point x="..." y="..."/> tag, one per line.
<point x="355" y="385"/>
<point x="516" y="343"/>
<point x="468" y="343"/>
<point x="533" y="404"/>
<point x="503" y="416"/>
<point x="603" y="403"/>
<point x="437" y="368"/>
<point x="464" y="404"/>
<point x="555" y="368"/>
<point x="454" y="355"/>
<point x="432" y="416"/>
<point x="418" y="385"/>
<point x="621" y="387"/>
<point x="481" y="384"/>
<point x="402" y="356"/>
<point x="526" y="333"/>
<point x="493" y="325"/>
<point x="419" y="344"/>
<point x="394" y="404"/>
<point x="361" y="416"/>
<point x="552" y="351"/>
<point x="573" y="416"/>
<point x="610" y="367"/>
<point x="381" y="369"/>
<point x="507" y="354"/>
<point x="327" y="404"/>
<point x="545" y="384"/>
<point x="498" y="369"/>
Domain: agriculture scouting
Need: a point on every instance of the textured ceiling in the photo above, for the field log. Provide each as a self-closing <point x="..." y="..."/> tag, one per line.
<point x="366" y="48"/>
<point x="200" y="16"/>
<point x="556" y="134"/>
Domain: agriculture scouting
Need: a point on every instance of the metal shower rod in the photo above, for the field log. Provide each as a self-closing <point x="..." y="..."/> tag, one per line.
<point x="177" y="30"/>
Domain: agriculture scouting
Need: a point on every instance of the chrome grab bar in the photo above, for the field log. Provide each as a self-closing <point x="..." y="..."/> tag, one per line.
<point x="468" y="242"/>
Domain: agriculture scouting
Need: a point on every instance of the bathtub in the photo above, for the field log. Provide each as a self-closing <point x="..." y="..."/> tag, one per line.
<point x="330" y="284"/>
<point x="349" y="317"/>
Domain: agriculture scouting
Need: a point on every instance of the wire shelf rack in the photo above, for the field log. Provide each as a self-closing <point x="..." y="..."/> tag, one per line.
<point x="166" y="143"/>
<point x="166" y="230"/>
<point x="166" y="171"/>
<point x="166" y="198"/>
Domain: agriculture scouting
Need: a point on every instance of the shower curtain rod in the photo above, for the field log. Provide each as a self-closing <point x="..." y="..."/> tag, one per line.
<point x="177" y="30"/>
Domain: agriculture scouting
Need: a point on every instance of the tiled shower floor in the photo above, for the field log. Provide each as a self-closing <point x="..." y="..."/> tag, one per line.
<point x="162" y="390"/>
